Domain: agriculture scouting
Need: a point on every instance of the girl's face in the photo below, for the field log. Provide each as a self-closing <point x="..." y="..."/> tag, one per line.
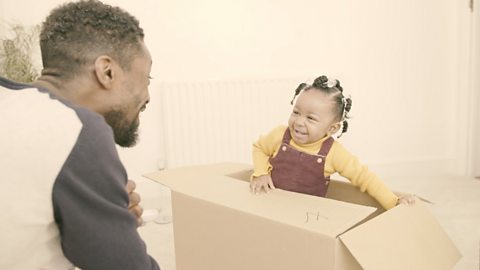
<point x="312" y="117"/>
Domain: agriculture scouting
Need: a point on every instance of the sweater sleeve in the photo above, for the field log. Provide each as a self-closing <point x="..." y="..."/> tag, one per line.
<point x="265" y="147"/>
<point x="360" y="176"/>
<point x="91" y="204"/>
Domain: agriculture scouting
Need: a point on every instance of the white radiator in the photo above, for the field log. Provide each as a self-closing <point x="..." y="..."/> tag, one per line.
<point x="217" y="121"/>
<point x="209" y="122"/>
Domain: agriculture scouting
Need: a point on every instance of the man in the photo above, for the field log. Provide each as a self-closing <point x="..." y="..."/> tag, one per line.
<point x="63" y="185"/>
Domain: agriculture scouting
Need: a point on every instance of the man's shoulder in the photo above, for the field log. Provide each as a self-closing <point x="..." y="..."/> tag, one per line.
<point x="6" y="83"/>
<point x="52" y="119"/>
<point x="21" y="96"/>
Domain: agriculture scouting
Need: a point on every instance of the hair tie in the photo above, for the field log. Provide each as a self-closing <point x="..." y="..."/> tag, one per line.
<point x="331" y="83"/>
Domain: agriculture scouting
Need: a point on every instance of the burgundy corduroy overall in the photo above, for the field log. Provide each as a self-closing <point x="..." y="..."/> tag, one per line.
<point x="297" y="171"/>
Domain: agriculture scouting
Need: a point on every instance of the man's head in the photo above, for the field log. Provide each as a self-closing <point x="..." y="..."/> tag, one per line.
<point x="75" y="33"/>
<point x="98" y="51"/>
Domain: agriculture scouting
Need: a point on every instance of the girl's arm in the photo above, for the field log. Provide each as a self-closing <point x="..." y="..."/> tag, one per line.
<point x="264" y="148"/>
<point x="348" y="165"/>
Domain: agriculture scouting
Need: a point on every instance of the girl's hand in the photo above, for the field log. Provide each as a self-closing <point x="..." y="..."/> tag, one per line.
<point x="406" y="199"/>
<point x="261" y="182"/>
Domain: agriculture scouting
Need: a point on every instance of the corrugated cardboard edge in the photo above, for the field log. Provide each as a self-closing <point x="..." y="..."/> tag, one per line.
<point x="220" y="187"/>
<point x="407" y="235"/>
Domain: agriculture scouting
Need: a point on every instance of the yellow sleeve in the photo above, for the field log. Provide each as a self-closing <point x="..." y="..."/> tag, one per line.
<point x="347" y="165"/>
<point x="265" y="147"/>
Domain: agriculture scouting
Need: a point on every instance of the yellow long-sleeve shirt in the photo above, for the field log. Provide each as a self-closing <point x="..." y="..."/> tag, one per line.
<point x="338" y="160"/>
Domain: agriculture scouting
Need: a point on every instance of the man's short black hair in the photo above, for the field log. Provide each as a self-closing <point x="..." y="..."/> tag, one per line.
<point x="76" y="33"/>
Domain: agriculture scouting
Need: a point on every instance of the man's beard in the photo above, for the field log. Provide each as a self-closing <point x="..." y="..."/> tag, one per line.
<point x="126" y="134"/>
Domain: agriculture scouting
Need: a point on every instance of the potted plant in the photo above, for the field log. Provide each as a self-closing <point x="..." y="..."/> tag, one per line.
<point x="16" y="50"/>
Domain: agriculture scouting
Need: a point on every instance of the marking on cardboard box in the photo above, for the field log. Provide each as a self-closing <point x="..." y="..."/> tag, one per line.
<point x="312" y="216"/>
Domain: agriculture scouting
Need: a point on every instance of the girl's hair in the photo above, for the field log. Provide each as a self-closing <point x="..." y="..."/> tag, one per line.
<point x="333" y="89"/>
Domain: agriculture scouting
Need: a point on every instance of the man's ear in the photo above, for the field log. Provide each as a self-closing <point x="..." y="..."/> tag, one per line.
<point x="104" y="71"/>
<point x="334" y="128"/>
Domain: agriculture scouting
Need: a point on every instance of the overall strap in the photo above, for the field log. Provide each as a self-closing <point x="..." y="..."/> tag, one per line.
<point x="287" y="136"/>
<point x="326" y="145"/>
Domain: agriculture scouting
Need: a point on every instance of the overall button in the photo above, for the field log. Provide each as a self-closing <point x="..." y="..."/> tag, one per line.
<point x="284" y="148"/>
<point x="319" y="160"/>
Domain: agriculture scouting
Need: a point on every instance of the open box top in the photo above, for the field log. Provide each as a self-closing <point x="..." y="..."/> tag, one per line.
<point x="405" y="237"/>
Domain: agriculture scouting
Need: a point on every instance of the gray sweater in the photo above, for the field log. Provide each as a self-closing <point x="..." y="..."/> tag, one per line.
<point x="90" y="204"/>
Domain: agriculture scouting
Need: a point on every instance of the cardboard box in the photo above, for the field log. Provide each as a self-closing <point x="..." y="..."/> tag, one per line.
<point x="220" y="225"/>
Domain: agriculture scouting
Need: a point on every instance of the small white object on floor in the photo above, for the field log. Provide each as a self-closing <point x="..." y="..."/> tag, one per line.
<point x="163" y="219"/>
<point x="149" y="215"/>
<point x="155" y="216"/>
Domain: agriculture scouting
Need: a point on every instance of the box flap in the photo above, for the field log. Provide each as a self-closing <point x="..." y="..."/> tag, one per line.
<point x="405" y="237"/>
<point x="212" y="183"/>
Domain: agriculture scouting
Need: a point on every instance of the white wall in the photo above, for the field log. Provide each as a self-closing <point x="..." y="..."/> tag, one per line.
<point x="403" y="62"/>
<point x="476" y="90"/>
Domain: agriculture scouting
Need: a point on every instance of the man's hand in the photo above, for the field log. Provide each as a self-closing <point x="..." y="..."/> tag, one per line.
<point x="133" y="202"/>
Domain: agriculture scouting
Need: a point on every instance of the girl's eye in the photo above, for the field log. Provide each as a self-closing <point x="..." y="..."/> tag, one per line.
<point x="311" y="118"/>
<point x="295" y="112"/>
